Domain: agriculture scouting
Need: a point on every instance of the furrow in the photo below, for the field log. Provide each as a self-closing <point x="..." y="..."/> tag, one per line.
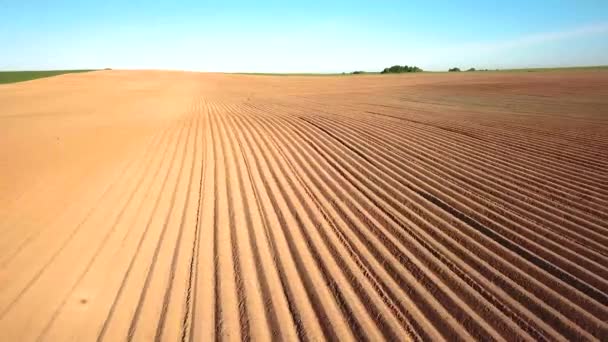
<point x="431" y="284"/>
<point x="189" y="316"/>
<point x="235" y="251"/>
<point x="518" y="219"/>
<point x="492" y="152"/>
<point x="160" y="326"/>
<point x="168" y="162"/>
<point x="579" y="250"/>
<point x="347" y="310"/>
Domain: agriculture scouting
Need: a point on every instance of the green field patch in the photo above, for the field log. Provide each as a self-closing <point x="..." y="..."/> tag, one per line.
<point x="20" y="76"/>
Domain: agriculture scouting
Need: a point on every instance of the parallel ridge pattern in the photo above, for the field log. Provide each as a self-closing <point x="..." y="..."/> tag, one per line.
<point x="318" y="218"/>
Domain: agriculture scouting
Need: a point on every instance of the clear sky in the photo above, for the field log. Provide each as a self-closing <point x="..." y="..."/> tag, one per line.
<point x="301" y="36"/>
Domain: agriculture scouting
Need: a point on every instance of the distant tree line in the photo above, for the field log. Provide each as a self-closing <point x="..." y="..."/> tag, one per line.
<point x="470" y="69"/>
<point x="398" y="69"/>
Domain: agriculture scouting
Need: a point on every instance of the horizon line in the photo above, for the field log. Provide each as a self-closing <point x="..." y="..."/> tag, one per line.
<point x="577" y="66"/>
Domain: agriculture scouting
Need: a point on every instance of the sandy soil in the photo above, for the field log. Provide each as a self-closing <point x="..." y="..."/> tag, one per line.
<point x="146" y="205"/>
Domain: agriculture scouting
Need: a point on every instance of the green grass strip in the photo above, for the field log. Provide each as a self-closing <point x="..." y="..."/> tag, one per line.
<point x="20" y="76"/>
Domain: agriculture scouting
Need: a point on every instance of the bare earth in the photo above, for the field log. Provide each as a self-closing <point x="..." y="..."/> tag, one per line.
<point x="182" y="206"/>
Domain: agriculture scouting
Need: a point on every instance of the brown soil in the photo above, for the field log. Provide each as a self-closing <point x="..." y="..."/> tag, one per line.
<point x="181" y="206"/>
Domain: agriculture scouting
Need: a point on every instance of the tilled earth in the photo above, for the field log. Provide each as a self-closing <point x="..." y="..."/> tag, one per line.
<point x="146" y="205"/>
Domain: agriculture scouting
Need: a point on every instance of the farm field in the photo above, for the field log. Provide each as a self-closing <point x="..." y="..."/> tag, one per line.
<point x="140" y="205"/>
<point x="20" y="76"/>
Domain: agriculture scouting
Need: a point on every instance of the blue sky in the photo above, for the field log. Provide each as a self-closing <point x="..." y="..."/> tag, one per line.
<point x="301" y="36"/>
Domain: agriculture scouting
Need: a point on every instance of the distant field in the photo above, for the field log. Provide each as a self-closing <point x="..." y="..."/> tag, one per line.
<point x="20" y="76"/>
<point x="305" y="74"/>
<point x="597" y="67"/>
<point x="140" y="205"/>
<point x="581" y="68"/>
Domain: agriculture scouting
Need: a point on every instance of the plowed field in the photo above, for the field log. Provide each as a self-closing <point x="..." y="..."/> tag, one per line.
<point x="141" y="205"/>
